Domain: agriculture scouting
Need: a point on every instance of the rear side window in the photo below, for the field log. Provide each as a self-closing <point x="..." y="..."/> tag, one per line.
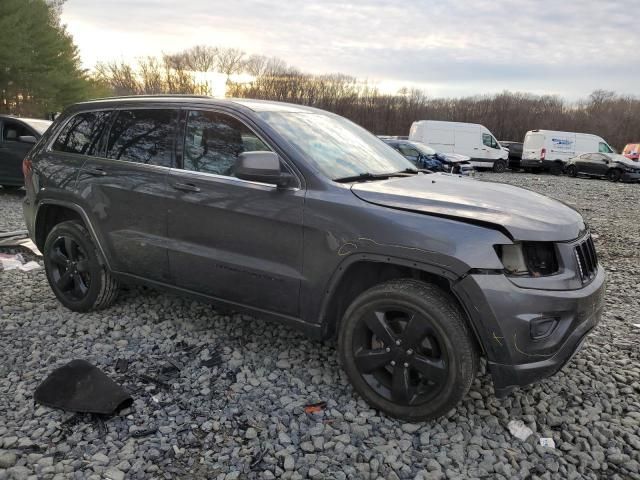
<point x="82" y="134"/>
<point x="143" y="136"/>
<point x="214" y="140"/>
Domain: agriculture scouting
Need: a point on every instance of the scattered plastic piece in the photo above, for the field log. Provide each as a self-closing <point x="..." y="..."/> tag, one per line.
<point x="144" y="433"/>
<point x="637" y="325"/>
<point x="122" y="364"/>
<point x="82" y="387"/>
<point x="29" y="266"/>
<point x="547" y="442"/>
<point x="18" y="238"/>
<point x="519" y="430"/>
<point x="315" y="407"/>
<point x="11" y="262"/>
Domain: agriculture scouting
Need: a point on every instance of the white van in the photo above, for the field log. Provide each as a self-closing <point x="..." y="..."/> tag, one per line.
<point x="471" y="139"/>
<point x="550" y="150"/>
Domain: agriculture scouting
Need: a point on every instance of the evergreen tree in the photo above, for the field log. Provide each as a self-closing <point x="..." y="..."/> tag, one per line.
<point x="40" y="67"/>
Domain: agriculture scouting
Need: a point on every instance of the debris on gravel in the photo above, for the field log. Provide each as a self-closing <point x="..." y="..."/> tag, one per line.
<point x="228" y="393"/>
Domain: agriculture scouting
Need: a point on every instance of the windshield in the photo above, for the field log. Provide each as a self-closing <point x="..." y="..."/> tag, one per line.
<point x="337" y="147"/>
<point x="39" y="126"/>
<point x="424" y="149"/>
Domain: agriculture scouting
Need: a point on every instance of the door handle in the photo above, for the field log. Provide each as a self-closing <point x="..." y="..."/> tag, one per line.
<point x="186" y="187"/>
<point x="98" y="172"/>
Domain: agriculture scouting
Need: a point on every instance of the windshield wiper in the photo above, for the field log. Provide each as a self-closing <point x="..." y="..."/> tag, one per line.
<point x="374" y="176"/>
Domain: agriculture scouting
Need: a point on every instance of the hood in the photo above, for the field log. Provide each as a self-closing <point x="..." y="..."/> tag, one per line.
<point x="524" y="214"/>
<point x="454" y="157"/>
<point x="624" y="160"/>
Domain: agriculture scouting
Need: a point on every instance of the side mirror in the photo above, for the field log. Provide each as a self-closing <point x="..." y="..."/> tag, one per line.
<point x="261" y="167"/>
<point x="27" y="139"/>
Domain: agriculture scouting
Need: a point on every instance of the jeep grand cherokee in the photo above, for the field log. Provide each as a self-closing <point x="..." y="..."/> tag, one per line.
<point x="301" y="216"/>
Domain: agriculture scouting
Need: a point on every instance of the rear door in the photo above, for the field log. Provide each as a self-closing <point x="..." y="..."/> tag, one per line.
<point x="532" y="146"/>
<point x="124" y="187"/>
<point x="233" y="239"/>
<point x="12" y="150"/>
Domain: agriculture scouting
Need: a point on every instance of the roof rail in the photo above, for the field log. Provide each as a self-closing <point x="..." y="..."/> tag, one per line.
<point x="155" y="95"/>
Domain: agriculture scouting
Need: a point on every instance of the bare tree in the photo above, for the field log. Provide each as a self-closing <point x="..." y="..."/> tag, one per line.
<point x="230" y="61"/>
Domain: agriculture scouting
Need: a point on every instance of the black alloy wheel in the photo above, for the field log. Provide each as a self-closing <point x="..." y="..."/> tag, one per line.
<point x="70" y="268"/>
<point x="572" y="171"/>
<point x="401" y="356"/>
<point x="614" y="175"/>
<point x="408" y="349"/>
<point x="75" y="271"/>
<point x="499" y="166"/>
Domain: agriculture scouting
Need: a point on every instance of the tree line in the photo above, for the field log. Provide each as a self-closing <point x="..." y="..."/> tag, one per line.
<point x="40" y="72"/>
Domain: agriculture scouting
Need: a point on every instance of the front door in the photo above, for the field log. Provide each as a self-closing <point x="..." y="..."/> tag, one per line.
<point x="232" y="239"/>
<point x="124" y="188"/>
<point x="13" y="151"/>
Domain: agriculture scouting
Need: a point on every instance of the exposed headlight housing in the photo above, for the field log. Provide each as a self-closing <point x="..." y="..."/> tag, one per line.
<point x="534" y="259"/>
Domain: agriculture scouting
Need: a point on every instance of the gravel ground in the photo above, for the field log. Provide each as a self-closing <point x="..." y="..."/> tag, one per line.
<point x="245" y="417"/>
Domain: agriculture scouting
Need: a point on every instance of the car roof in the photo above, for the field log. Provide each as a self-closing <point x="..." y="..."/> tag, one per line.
<point x="251" y="104"/>
<point x="24" y="119"/>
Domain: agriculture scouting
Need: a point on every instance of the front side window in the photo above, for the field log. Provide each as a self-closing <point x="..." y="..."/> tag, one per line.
<point x="82" y="133"/>
<point x="489" y="141"/>
<point x="336" y="147"/>
<point x="604" y="148"/>
<point x="143" y="136"/>
<point x="214" y="140"/>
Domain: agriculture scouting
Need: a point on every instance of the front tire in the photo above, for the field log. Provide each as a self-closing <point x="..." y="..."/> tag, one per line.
<point x="78" y="278"/>
<point x="572" y="171"/>
<point x="407" y="349"/>
<point x="614" y="175"/>
<point x="499" y="166"/>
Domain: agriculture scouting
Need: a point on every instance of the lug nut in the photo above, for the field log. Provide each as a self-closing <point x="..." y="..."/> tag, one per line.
<point x="393" y="363"/>
<point x="409" y="352"/>
<point x="387" y="349"/>
<point x="398" y="342"/>
<point x="406" y="365"/>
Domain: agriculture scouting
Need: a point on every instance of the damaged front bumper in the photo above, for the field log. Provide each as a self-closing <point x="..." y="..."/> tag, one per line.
<point x="529" y="334"/>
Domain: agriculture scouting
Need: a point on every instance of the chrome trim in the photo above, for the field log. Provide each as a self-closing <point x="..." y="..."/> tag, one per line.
<point x="216" y="176"/>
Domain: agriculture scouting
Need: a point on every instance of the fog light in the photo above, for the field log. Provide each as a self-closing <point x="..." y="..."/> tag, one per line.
<point x="542" y="327"/>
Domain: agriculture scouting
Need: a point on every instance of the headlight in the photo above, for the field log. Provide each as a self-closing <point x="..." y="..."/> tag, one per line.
<point x="536" y="259"/>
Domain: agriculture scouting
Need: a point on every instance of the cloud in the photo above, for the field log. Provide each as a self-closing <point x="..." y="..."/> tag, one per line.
<point x="451" y="48"/>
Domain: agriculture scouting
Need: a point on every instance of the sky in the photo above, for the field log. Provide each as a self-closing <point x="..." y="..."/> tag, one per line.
<point x="447" y="48"/>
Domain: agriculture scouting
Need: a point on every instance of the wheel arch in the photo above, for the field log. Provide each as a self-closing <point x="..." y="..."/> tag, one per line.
<point x="363" y="271"/>
<point x="52" y="212"/>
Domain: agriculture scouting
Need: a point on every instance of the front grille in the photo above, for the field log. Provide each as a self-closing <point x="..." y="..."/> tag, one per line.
<point x="587" y="259"/>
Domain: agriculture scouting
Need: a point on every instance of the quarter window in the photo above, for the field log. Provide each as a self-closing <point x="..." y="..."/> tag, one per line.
<point x="214" y="140"/>
<point x="82" y="134"/>
<point x="143" y="136"/>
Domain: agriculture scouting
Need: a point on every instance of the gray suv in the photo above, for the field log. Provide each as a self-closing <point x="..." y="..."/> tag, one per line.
<point x="300" y="216"/>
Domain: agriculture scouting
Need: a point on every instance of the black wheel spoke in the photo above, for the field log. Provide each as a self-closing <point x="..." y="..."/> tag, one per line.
<point x="430" y="368"/>
<point x="377" y="324"/>
<point x="401" y="390"/>
<point x="58" y="257"/>
<point x="79" y="287"/>
<point x="71" y="248"/>
<point x="370" y="360"/>
<point x="65" y="280"/>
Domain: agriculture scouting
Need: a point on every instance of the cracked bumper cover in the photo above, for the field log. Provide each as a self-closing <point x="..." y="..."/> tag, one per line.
<point x="502" y="314"/>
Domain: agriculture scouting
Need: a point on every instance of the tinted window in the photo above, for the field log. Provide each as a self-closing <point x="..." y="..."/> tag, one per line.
<point x="82" y="134"/>
<point x="143" y="136"/>
<point x="214" y="140"/>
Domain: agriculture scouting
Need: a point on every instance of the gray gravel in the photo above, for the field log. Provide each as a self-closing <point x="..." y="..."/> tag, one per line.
<point x="245" y="418"/>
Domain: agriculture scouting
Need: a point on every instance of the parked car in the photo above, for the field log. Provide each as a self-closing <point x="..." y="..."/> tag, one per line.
<point x="515" y="153"/>
<point x="550" y="150"/>
<point x="423" y="156"/>
<point x="17" y="137"/>
<point x="632" y="151"/>
<point x="300" y="216"/>
<point x="615" y="167"/>
<point x="470" y="139"/>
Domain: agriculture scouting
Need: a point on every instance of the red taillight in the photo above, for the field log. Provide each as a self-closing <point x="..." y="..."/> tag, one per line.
<point x="543" y="153"/>
<point x="26" y="168"/>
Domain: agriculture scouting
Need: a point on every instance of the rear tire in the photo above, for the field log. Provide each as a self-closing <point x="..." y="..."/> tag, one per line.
<point x="407" y="349"/>
<point x="614" y="175"/>
<point x="77" y="276"/>
<point x="572" y="171"/>
<point x="499" y="166"/>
